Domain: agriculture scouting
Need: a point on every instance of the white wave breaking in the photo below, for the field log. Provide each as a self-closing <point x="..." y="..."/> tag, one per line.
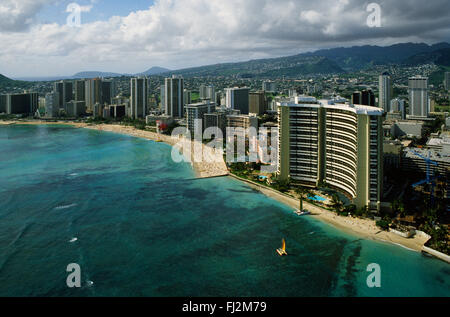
<point x="65" y="207"/>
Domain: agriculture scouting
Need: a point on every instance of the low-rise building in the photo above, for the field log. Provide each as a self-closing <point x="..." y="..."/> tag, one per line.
<point x="407" y="128"/>
<point x="413" y="163"/>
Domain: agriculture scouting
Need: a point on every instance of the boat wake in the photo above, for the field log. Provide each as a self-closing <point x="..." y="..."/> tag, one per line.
<point x="65" y="207"/>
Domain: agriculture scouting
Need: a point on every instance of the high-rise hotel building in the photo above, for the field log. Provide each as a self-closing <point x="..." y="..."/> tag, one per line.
<point x="207" y="92"/>
<point x="447" y="81"/>
<point x="65" y="91"/>
<point x="385" y="88"/>
<point x="419" y="103"/>
<point x="174" y="97"/>
<point x="80" y="90"/>
<point x="93" y="92"/>
<point x="196" y="112"/>
<point x="337" y="144"/>
<point x="238" y="99"/>
<point x="23" y="103"/>
<point x="139" y="97"/>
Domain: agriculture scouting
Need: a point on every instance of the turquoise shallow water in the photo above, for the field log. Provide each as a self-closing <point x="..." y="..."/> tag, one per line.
<point x="145" y="227"/>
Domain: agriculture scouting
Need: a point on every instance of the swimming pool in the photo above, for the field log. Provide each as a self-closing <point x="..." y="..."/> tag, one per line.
<point x="317" y="198"/>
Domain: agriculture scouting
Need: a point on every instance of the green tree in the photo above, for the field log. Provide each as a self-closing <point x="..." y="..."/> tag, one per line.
<point x="383" y="224"/>
<point x="350" y="209"/>
<point x="281" y="185"/>
<point x="302" y="193"/>
<point x="336" y="203"/>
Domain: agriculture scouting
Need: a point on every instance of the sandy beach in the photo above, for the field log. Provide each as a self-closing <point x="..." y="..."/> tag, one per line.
<point x="364" y="228"/>
<point x="216" y="167"/>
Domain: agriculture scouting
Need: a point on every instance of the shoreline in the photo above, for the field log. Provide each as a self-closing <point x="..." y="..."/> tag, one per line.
<point x="364" y="228"/>
<point x="213" y="167"/>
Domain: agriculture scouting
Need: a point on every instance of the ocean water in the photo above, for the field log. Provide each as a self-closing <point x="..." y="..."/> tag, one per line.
<point x="145" y="227"/>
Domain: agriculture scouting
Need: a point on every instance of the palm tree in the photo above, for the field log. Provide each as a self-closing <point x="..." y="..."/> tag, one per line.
<point x="302" y="193"/>
<point x="401" y="209"/>
<point x="336" y="203"/>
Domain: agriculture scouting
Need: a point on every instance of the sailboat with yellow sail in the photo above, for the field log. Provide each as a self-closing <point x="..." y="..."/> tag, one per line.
<point x="282" y="251"/>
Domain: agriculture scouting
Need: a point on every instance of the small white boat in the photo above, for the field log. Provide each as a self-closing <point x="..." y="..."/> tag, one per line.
<point x="302" y="212"/>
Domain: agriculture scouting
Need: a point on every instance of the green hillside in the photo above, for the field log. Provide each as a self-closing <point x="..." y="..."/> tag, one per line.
<point x="292" y="66"/>
<point x="10" y="84"/>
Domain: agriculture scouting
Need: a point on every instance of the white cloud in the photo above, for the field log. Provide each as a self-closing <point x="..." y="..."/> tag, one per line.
<point x="177" y="33"/>
<point x="18" y="15"/>
<point x="311" y="16"/>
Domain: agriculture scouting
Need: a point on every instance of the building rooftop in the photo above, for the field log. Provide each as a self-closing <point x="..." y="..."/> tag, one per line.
<point x="437" y="156"/>
<point x="304" y="101"/>
<point x="437" y="141"/>
<point x="206" y="102"/>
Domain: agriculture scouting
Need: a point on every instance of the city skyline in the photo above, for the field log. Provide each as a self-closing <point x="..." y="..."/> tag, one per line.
<point x="181" y="34"/>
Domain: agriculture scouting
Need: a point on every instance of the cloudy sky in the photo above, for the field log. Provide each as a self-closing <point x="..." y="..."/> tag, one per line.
<point x="131" y="36"/>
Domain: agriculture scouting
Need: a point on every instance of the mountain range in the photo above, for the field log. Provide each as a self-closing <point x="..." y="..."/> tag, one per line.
<point x="438" y="57"/>
<point x="325" y="61"/>
<point x="6" y="82"/>
<point x="94" y="74"/>
<point x="360" y="57"/>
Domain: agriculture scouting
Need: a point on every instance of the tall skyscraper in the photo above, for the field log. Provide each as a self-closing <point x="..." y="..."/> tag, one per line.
<point x="218" y="98"/>
<point x="398" y="105"/>
<point x="292" y="93"/>
<point x="80" y="90"/>
<point x="385" y="96"/>
<point x="196" y="112"/>
<point x="447" y="80"/>
<point x="217" y="121"/>
<point x="23" y="103"/>
<point x="365" y="97"/>
<point x="339" y="144"/>
<point x="418" y="96"/>
<point x="174" y="99"/>
<point x="238" y="99"/>
<point x="207" y="92"/>
<point x="269" y="86"/>
<point x="163" y="97"/>
<point x="93" y="93"/>
<point x="139" y="97"/>
<point x="3" y="101"/>
<point x="257" y="102"/>
<point x="368" y="98"/>
<point x="65" y="91"/>
<point x="187" y="95"/>
<point x="356" y="98"/>
<point x="107" y="92"/>
<point x="52" y="105"/>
